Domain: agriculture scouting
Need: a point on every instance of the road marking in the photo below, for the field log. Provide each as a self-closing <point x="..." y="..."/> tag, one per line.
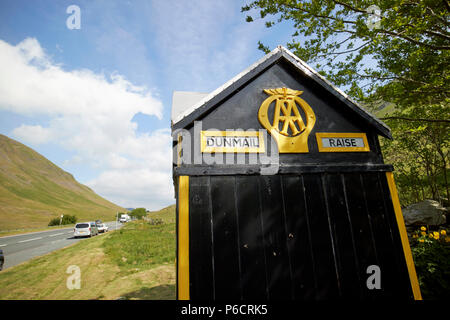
<point x="29" y="240"/>
<point x="3" y="245"/>
<point x="54" y="235"/>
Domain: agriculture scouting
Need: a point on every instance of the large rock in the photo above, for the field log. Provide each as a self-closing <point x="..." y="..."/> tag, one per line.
<point x="428" y="212"/>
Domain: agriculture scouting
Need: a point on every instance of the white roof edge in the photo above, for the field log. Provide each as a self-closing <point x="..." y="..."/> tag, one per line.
<point x="225" y="85"/>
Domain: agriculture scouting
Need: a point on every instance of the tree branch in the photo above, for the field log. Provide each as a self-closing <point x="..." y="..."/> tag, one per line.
<point x="417" y="119"/>
<point x="344" y="52"/>
<point x="395" y="34"/>
<point x="350" y="7"/>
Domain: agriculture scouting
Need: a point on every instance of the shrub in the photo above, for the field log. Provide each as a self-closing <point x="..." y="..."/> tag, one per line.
<point x="67" y="219"/>
<point x="431" y="253"/>
<point x="138" y="213"/>
<point x="154" y="222"/>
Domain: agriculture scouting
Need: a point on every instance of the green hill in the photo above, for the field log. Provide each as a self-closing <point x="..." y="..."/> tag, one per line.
<point x="33" y="190"/>
<point x="166" y="214"/>
<point x="379" y="109"/>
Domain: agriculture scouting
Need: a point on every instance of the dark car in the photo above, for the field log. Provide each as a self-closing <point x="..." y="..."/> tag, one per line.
<point x="2" y="259"/>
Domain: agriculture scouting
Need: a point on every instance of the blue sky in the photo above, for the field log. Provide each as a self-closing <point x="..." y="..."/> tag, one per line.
<point x="96" y="101"/>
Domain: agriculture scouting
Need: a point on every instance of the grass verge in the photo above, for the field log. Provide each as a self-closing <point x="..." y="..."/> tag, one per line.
<point x="136" y="262"/>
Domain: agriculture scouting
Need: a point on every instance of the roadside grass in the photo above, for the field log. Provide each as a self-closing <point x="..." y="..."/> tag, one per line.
<point x="135" y="262"/>
<point x="140" y="245"/>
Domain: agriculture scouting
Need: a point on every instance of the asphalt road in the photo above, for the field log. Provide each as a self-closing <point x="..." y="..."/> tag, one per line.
<point x="20" y="248"/>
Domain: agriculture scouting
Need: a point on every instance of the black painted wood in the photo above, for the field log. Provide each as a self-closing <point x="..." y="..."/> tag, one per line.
<point x="403" y="281"/>
<point x="201" y="271"/>
<point x="349" y="279"/>
<point x="200" y="170"/>
<point x="301" y="237"/>
<point x="305" y="229"/>
<point x="275" y="238"/>
<point x="227" y="273"/>
<point x="321" y="241"/>
<point x="303" y="285"/>
<point x="251" y="239"/>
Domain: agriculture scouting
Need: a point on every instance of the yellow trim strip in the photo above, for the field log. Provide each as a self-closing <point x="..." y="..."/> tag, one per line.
<point x="404" y="237"/>
<point x="320" y="135"/>
<point x="183" y="238"/>
<point x="205" y="148"/>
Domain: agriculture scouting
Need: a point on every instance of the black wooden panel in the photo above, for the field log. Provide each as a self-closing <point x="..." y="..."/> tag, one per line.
<point x="361" y="229"/>
<point x="403" y="281"/>
<point x="322" y="247"/>
<point x="225" y="239"/>
<point x="298" y="239"/>
<point x="200" y="245"/>
<point x="251" y="239"/>
<point x="275" y="248"/>
<point x="349" y="281"/>
<point x="382" y="238"/>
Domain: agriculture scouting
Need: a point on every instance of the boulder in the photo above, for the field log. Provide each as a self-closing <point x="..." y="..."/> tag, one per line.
<point x="428" y="212"/>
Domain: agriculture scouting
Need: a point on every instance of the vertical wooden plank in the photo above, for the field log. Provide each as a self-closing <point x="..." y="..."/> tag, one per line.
<point x="392" y="285"/>
<point x="324" y="264"/>
<point x="251" y="239"/>
<point x="200" y="247"/>
<point x="183" y="238"/>
<point x="226" y="246"/>
<point x="347" y="262"/>
<point x="275" y="248"/>
<point x="361" y="229"/>
<point x="403" y="279"/>
<point x="298" y="244"/>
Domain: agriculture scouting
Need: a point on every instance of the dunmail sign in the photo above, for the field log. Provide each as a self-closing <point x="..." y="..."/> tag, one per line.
<point x="282" y="192"/>
<point x="232" y="141"/>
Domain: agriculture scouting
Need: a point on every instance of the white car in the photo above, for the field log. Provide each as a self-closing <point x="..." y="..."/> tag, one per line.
<point x="85" y="229"/>
<point x="102" y="228"/>
<point x="123" y="219"/>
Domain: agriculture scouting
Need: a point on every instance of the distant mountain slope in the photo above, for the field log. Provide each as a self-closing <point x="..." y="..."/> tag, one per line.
<point x="380" y="108"/>
<point x="166" y="214"/>
<point x="33" y="190"/>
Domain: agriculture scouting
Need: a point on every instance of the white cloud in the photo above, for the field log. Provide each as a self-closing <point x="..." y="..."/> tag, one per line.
<point x="30" y="83"/>
<point x="91" y="115"/>
<point x="33" y="134"/>
<point x="145" y="187"/>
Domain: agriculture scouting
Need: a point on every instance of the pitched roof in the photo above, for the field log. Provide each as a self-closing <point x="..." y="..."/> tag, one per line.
<point x="188" y="115"/>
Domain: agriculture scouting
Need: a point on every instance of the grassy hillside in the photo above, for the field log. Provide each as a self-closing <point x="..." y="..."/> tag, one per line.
<point x="33" y="190"/>
<point x="380" y="109"/>
<point x="167" y="214"/>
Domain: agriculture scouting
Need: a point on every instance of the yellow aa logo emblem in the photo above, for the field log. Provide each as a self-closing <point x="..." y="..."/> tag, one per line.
<point x="285" y="123"/>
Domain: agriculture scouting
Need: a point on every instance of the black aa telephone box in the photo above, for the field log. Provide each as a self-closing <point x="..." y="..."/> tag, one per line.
<point x="282" y="192"/>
